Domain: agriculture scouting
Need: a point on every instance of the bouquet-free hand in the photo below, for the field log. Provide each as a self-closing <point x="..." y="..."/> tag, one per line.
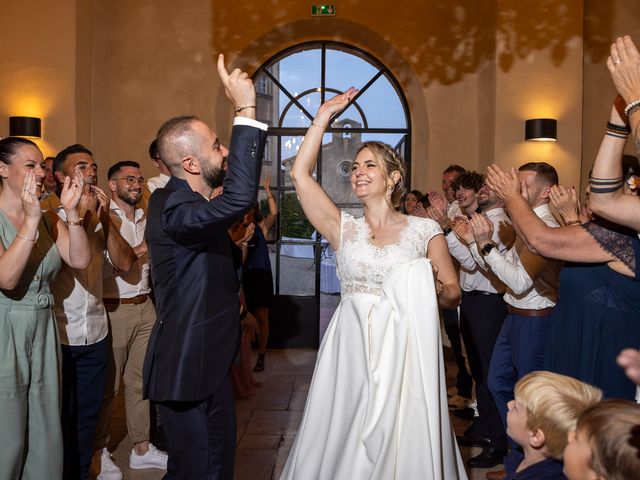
<point x="629" y="359"/>
<point x="434" y="214"/>
<point x="72" y="191"/>
<point x="437" y="201"/>
<point x="329" y="108"/>
<point x="482" y="228"/>
<point x="565" y="201"/>
<point x="505" y="185"/>
<point x="462" y="229"/>
<point x="624" y="66"/>
<point x="238" y="87"/>
<point x="29" y="195"/>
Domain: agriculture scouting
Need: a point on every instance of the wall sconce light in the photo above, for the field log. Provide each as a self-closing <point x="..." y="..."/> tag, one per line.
<point x="541" y="129"/>
<point x="25" y="127"/>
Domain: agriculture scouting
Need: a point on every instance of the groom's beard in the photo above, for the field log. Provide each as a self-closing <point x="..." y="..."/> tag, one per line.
<point x="214" y="176"/>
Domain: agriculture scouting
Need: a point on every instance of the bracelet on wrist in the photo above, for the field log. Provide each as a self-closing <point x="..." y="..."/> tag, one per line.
<point x="572" y="222"/>
<point x="447" y="231"/>
<point x="633" y="109"/>
<point x="614" y="127"/>
<point x="26" y="239"/>
<point x="631" y="106"/>
<point x="239" y="109"/>
<point x="74" y="223"/>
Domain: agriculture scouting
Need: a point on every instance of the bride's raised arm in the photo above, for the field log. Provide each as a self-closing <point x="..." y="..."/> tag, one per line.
<point x="317" y="205"/>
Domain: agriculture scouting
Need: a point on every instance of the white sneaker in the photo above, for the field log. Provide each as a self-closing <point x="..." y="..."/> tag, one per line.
<point x="154" y="458"/>
<point x="108" y="469"/>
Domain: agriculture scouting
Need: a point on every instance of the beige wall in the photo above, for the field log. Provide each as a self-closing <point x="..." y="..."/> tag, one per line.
<point x="108" y="73"/>
<point x="37" y="77"/>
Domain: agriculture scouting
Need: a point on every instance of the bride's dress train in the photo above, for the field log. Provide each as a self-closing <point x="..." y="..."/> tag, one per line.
<point x="377" y="404"/>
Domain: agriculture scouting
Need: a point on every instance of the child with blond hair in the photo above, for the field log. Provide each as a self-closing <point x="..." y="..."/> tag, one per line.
<point x="546" y="408"/>
<point x="606" y="443"/>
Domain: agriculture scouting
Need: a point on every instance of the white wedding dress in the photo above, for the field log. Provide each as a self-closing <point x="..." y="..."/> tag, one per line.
<point x="377" y="404"/>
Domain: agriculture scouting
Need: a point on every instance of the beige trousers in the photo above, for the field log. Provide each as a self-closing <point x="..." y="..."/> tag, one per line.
<point x="130" y="330"/>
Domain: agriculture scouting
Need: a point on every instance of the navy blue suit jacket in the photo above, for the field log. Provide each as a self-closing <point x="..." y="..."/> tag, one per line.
<point x="196" y="334"/>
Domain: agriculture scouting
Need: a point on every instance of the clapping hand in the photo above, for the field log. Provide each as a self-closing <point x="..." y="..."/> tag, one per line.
<point x="434" y="214"/>
<point x="30" y="200"/>
<point x="437" y="201"/>
<point x="329" y="108"/>
<point x="565" y="201"/>
<point x="624" y="66"/>
<point x="419" y="210"/>
<point x="505" y="185"/>
<point x="482" y="229"/>
<point x="72" y="191"/>
<point x="104" y="205"/>
<point x="239" y="88"/>
<point x="248" y="235"/>
<point x="462" y="229"/>
<point x="629" y="359"/>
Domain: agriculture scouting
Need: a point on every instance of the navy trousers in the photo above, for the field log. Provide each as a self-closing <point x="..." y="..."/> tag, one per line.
<point x="202" y="436"/>
<point x="84" y="373"/>
<point x="519" y="350"/>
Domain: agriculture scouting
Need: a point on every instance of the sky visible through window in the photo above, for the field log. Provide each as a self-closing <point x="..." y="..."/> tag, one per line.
<point x="301" y="72"/>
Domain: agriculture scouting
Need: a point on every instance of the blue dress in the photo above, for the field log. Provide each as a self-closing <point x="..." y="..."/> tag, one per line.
<point x="597" y="315"/>
<point x="257" y="281"/>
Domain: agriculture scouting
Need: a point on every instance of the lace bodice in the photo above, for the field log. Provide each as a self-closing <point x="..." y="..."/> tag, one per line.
<point x="362" y="266"/>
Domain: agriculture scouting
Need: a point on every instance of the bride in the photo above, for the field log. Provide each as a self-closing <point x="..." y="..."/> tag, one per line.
<point x="377" y="405"/>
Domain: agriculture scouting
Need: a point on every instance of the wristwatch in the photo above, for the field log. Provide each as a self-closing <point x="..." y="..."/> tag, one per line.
<point x="486" y="249"/>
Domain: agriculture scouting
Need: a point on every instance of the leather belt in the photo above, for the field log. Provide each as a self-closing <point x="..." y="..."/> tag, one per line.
<point x="137" y="300"/>
<point x="477" y="293"/>
<point x="528" y="312"/>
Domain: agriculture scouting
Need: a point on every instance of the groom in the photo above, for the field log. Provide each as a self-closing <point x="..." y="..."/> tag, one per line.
<point x="196" y="288"/>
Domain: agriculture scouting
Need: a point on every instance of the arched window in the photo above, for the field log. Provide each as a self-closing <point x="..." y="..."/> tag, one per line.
<point x="295" y="82"/>
<point x="290" y="87"/>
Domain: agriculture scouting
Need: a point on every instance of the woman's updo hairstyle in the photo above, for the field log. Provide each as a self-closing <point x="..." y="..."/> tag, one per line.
<point x="9" y="148"/>
<point x="389" y="161"/>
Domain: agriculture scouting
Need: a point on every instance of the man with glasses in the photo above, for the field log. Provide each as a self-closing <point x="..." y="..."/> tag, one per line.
<point x="82" y="319"/>
<point x="131" y="317"/>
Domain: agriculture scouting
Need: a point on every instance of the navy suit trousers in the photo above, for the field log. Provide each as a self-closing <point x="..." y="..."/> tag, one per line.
<point x="202" y="436"/>
<point x="519" y="350"/>
<point x="84" y="374"/>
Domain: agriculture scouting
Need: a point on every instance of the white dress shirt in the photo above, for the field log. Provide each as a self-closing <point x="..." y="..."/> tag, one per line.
<point x="157" y="182"/>
<point x="453" y="210"/>
<point x="81" y="317"/>
<point x="472" y="276"/>
<point x="513" y="266"/>
<point x="136" y="281"/>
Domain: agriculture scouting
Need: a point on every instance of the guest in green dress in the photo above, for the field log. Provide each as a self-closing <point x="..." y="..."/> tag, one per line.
<point x="32" y="245"/>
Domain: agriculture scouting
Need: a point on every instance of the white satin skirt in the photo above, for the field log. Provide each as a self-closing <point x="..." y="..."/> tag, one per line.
<point x="377" y="404"/>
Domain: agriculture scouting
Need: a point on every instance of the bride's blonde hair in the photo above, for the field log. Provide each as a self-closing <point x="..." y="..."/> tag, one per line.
<point x="388" y="161"/>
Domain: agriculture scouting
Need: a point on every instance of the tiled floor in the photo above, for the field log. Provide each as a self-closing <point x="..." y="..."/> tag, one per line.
<point x="267" y="423"/>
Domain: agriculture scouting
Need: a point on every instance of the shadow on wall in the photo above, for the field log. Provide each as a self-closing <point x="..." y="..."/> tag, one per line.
<point x="441" y="40"/>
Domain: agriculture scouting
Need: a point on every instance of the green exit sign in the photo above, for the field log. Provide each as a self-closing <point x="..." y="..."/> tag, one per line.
<point x="323" y="10"/>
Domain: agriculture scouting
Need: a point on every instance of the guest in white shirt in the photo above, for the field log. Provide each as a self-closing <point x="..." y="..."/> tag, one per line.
<point x="131" y="317"/>
<point x="81" y="316"/>
<point x="532" y="290"/>
<point x="160" y="180"/>
<point x="482" y="313"/>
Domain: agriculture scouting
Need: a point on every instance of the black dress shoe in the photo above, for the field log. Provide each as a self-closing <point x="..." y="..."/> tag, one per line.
<point x="473" y="441"/>
<point x="464" y="413"/>
<point x="490" y="457"/>
<point x="469" y="432"/>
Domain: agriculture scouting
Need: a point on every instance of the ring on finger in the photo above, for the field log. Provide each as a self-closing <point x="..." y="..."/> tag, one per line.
<point x="617" y="61"/>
